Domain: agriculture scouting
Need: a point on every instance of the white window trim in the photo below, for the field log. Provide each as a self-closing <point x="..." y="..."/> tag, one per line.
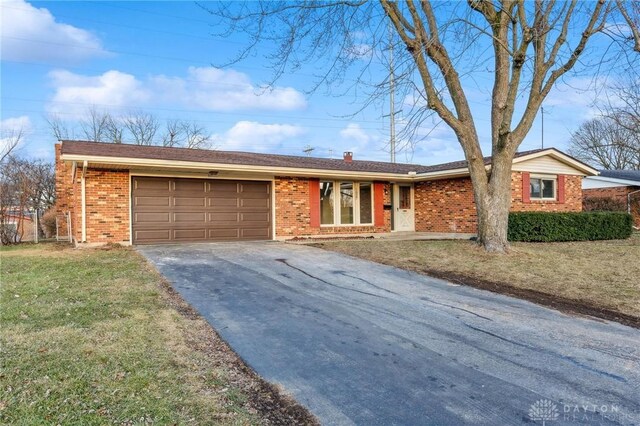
<point x="356" y="204"/>
<point x="554" y="178"/>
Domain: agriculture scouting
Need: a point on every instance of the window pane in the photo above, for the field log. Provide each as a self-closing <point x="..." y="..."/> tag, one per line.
<point x="346" y="202"/>
<point x="405" y="197"/>
<point x="535" y="188"/>
<point x="326" y="203"/>
<point x="366" y="209"/>
<point x="547" y="189"/>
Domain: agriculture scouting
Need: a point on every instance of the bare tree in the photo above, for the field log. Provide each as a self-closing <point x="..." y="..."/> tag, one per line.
<point x="142" y="127"/>
<point x="9" y="140"/>
<point x="26" y="187"/>
<point x="173" y="133"/>
<point x="58" y="127"/>
<point x="527" y="47"/>
<point x="630" y="11"/>
<point x="605" y="144"/>
<point x="95" y="125"/>
<point x="196" y="136"/>
<point x="114" y="129"/>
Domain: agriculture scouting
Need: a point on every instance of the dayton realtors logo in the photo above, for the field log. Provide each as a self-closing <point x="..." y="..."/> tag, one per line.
<point x="543" y="410"/>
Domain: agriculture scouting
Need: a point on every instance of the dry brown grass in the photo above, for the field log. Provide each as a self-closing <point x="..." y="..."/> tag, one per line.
<point x="600" y="273"/>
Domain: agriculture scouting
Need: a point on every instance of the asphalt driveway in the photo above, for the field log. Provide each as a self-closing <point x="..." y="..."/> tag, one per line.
<point x="363" y="343"/>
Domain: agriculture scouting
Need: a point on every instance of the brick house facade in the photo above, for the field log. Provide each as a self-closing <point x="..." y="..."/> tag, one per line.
<point x="103" y="212"/>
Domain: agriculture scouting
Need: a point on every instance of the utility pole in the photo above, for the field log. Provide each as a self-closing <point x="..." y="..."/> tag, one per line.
<point x="542" y="139"/>
<point x="392" y="102"/>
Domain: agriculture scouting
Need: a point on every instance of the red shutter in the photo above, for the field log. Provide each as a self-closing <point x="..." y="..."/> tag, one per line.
<point x="314" y="203"/>
<point x="526" y="188"/>
<point x="378" y="203"/>
<point x="561" y="182"/>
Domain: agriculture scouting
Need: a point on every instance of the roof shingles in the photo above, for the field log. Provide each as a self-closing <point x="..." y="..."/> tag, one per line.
<point x="102" y="149"/>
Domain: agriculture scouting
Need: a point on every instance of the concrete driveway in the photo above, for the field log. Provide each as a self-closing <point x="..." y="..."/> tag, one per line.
<point x="363" y="343"/>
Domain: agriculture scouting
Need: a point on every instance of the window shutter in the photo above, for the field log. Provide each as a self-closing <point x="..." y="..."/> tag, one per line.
<point x="378" y="203"/>
<point x="314" y="203"/>
<point x="561" y="183"/>
<point x="526" y="188"/>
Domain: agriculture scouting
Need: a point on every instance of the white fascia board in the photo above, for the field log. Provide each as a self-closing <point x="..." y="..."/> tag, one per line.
<point x="616" y="181"/>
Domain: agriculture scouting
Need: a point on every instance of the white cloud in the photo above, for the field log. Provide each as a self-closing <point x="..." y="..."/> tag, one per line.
<point x="207" y="89"/>
<point x="354" y="133"/>
<point x="11" y="128"/>
<point x="257" y="137"/>
<point x="112" y="90"/>
<point x="226" y="90"/>
<point x="24" y="25"/>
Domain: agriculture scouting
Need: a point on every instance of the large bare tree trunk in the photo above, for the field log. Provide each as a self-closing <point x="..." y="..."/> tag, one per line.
<point x="492" y="206"/>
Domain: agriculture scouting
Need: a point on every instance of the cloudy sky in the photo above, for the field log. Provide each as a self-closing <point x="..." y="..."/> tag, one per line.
<point x="62" y="58"/>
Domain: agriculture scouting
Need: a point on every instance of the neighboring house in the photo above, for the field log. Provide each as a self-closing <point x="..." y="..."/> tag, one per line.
<point x="143" y="194"/>
<point x="621" y="185"/>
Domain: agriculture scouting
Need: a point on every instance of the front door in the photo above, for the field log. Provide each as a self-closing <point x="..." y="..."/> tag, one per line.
<point x="403" y="205"/>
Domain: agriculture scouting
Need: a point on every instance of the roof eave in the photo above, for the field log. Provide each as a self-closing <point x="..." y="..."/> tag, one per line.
<point x="200" y="166"/>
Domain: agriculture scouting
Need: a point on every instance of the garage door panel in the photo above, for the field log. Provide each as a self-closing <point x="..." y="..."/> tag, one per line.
<point x="151" y="217"/>
<point x="222" y="202"/>
<point x="152" y="235"/>
<point x="189" y="185"/>
<point x="179" y="201"/>
<point x="219" y="217"/>
<point x="222" y="187"/>
<point x="151" y="184"/>
<point x="261" y="217"/>
<point x="254" y="233"/>
<point x="181" y="210"/>
<point x="257" y="188"/>
<point x="262" y="204"/>
<point x="224" y="233"/>
<point x="188" y="217"/>
<point x="155" y="201"/>
<point x="189" y="234"/>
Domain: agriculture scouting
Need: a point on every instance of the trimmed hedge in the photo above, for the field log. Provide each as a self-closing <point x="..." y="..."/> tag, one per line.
<point x="578" y="226"/>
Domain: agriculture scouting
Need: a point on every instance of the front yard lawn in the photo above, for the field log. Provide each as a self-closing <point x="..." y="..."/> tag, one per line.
<point x="600" y="278"/>
<point x="96" y="337"/>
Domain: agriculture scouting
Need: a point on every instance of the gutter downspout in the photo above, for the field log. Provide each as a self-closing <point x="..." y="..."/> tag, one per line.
<point x="629" y="202"/>
<point x="84" y="202"/>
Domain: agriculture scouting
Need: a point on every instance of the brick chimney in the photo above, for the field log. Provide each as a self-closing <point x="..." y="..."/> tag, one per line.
<point x="348" y="156"/>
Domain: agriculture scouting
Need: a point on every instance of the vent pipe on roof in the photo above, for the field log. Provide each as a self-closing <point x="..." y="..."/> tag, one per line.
<point x="348" y="156"/>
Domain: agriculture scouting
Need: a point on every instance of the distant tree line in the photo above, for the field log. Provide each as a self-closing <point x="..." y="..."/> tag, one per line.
<point x="135" y="127"/>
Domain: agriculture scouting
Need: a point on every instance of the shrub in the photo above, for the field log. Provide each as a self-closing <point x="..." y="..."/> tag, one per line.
<point x="578" y="226"/>
<point x="48" y="223"/>
<point x="604" y="204"/>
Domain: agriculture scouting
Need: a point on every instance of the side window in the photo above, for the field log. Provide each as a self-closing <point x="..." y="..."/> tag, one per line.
<point x="543" y="188"/>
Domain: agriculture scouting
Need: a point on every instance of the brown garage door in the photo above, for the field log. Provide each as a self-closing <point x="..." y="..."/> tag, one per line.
<point x="182" y="210"/>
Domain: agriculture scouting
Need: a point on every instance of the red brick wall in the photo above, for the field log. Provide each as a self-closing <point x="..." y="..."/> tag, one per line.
<point x="447" y="205"/>
<point x="572" y="201"/>
<point x="618" y="193"/>
<point x="107" y="204"/>
<point x="293" y="211"/>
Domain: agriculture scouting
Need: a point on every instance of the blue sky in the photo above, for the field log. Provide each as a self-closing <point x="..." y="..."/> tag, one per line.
<point x="63" y="57"/>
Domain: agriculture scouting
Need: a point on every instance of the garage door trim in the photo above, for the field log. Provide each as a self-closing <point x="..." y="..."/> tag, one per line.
<point x="270" y="180"/>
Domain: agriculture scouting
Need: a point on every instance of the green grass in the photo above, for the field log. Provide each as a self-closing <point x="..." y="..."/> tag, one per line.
<point x="88" y="337"/>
